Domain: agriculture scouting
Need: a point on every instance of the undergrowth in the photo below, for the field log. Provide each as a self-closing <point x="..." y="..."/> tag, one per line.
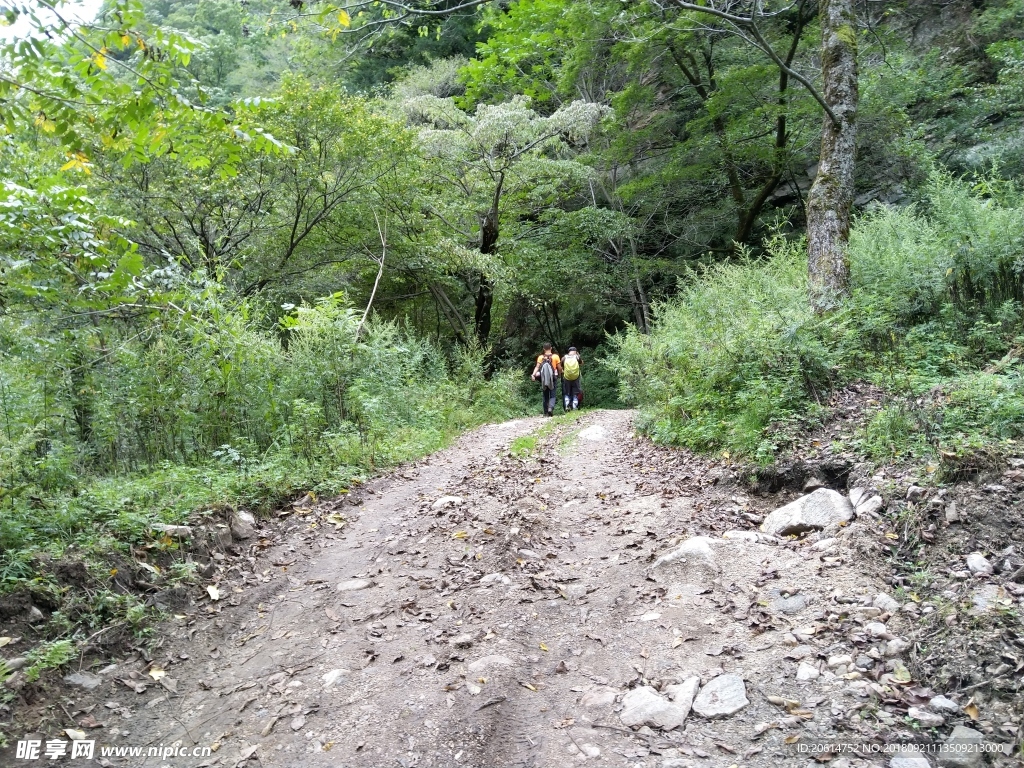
<point x="91" y="458"/>
<point x="738" y="362"/>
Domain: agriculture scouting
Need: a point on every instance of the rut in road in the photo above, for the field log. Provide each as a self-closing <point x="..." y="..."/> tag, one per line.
<point x="480" y="609"/>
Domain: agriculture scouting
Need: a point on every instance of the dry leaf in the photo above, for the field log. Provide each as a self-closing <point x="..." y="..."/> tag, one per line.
<point x="4" y="641"/>
<point x="156" y="673"/>
<point x="677" y="642"/>
<point x="527" y="685"/>
<point x="213" y="592"/>
<point x="971" y="710"/>
<point x="543" y="647"/>
<point x="792" y="739"/>
<point x="75" y="735"/>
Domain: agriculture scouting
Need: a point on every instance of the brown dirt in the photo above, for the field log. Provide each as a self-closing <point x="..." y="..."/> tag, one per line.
<point x="574" y="610"/>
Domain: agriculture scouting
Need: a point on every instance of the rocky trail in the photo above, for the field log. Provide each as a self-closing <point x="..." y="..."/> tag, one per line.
<point x="591" y="599"/>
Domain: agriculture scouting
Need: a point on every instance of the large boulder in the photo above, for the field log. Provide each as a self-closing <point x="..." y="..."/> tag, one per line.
<point x="812" y="512"/>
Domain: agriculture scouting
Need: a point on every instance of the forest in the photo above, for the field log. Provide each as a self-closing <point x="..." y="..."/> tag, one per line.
<point x="253" y="249"/>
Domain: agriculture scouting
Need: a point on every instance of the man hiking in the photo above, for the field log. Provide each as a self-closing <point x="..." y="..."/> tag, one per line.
<point x="572" y="380"/>
<point x="547" y="371"/>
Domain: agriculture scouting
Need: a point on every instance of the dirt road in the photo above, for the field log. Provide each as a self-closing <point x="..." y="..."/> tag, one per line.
<point x="481" y="609"/>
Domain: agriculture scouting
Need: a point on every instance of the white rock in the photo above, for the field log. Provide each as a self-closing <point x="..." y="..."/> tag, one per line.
<point x="909" y="761"/>
<point x="896" y="646"/>
<point x="330" y="678"/>
<point x="590" y="750"/>
<point x="684" y="693"/>
<point x="85" y="680"/>
<point x="885" y="603"/>
<point x="807" y="672"/>
<point x="676" y="762"/>
<point x="486" y="662"/>
<point x="598" y="698"/>
<point x="693" y="554"/>
<point x="725" y="695"/>
<point x="978" y="565"/>
<point x="354" y="585"/>
<point x="878" y="629"/>
<point x="652" y="616"/>
<point x="943" y="704"/>
<point x="836" y="661"/>
<point x="812" y="512"/>
<point x="955" y="755"/>
<point x="242" y="525"/>
<point x="926" y="718"/>
<point x="465" y="640"/>
<point x="645" y="706"/>
<point x="740" y="536"/>
<point x="952" y="515"/>
<point x="447" y="501"/>
<point x="529" y="554"/>
<point x="490" y="578"/>
<point x="824" y="545"/>
<point x="174" y="531"/>
<point x="869" y="506"/>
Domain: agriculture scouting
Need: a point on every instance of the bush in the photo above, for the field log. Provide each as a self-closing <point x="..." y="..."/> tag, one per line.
<point x="737" y="361"/>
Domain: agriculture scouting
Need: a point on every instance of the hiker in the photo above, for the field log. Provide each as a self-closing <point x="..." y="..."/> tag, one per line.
<point x="572" y="380"/>
<point x="547" y="371"/>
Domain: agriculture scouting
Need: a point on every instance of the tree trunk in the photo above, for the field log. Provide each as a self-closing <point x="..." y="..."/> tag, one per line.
<point x="831" y="196"/>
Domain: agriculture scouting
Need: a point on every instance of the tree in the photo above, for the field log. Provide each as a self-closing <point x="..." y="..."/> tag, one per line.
<point x="489" y="163"/>
<point x="830" y="200"/>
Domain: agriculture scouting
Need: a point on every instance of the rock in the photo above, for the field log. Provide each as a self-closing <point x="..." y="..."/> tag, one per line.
<point x="952" y="516"/>
<point x="590" y="750"/>
<point x="529" y="554"/>
<point x="824" y="545"/>
<point x="740" y="536"/>
<point x="840" y="660"/>
<point x="598" y="698"/>
<point x="490" y="578"/>
<point x="694" y="554"/>
<point x="242" y="525"/>
<point x="909" y="761"/>
<point x="223" y="538"/>
<point x="878" y="629"/>
<point x="943" y="704"/>
<point x="85" y="680"/>
<point x="896" y="646"/>
<point x="486" y="662"/>
<point x="12" y="665"/>
<point x="983" y="599"/>
<point x="35" y="615"/>
<point x="790" y="604"/>
<point x="870" y="506"/>
<point x="645" y="706"/>
<point x="915" y="493"/>
<point x="354" y="585"/>
<point x="955" y="755"/>
<point x="800" y="653"/>
<point x="330" y="678"/>
<point x="813" y="512"/>
<point x="683" y="693"/>
<point x="447" y="501"/>
<point x="465" y="640"/>
<point x="676" y="762"/>
<point x="978" y="565"/>
<point x="812" y="484"/>
<point x="174" y="531"/>
<point x="207" y="570"/>
<point x="926" y="718"/>
<point x="885" y="603"/>
<point x="725" y="695"/>
<point x="807" y="672"/>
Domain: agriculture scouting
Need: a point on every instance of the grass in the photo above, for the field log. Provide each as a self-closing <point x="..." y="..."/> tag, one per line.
<point x="738" y="363"/>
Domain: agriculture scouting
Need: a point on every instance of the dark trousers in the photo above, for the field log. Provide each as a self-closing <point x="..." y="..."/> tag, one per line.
<point x="550" y="397"/>
<point x="571" y="390"/>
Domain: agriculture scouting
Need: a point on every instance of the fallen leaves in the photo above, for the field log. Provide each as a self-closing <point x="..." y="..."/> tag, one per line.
<point x="213" y="592"/>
